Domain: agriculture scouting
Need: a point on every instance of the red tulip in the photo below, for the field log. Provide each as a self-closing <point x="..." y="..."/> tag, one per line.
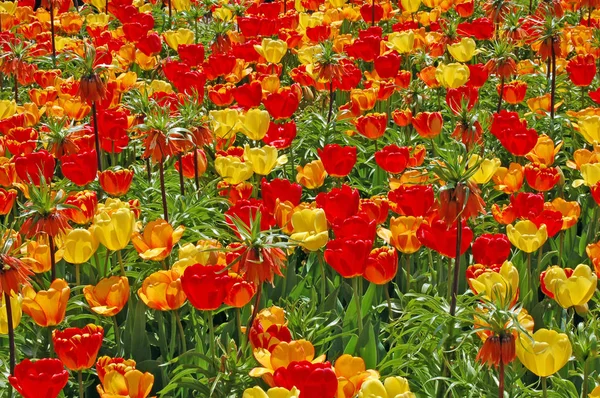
<point x="21" y="140"/>
<point x="247" y="212"/>
<point x="441" y="237"/>
<point x="81" y="168"/>
<point x="428" y="124"/>
<point x="552" y="219"/>
<point x="248" y="95"/>
<point x="78" y="348"/>
<point x="282" y="190"/>
<point x="365" y="48"/>
<point x="527" y="205"/>
<point x="221" y="94"/>
<point x="338" y="160"/>
<point x="372" y="125"/>
<point x="393" y="158"/>
<point x="44" y="378"/>
<point x="478" y="75"/>
<point x="282" y="104"/>
<point x="339" y="203"/>
<point x="268" y="339"/>
<point x="359" y="226"/>
<point x="370" y="16"/>
<point x="456" y="98"/>
<point x="84" y="207"/>
<point x="582" y="69"/>
<point x="319" y="33"/>
<point x="514" y="92"/>
<point x="219" y="64"/>
<point x="387" y="65"/>
<point x="348" y="256"/>
<point x="189" y="164"/>
<point x="116" y="183"/>
<point x="191" y="54"/>
<point x="382" y="265"/>
<point x="150" y="45"/>
<point x="205" y="285"/>
<point x="7" y="200"/>
<point x="34" y="166"/>
<point x="513" y="133"/>
<point x="491" y="249"/>
<point x="541" y="177"/>
<point x="281" y="135"/>
<point x="313" y="380"/>
<point x="412" y="200"/>
<point x="465" y="9"/>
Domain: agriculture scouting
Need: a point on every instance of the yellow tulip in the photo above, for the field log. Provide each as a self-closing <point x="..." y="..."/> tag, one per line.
<point x="595" y="393"/>
<point x="402" y="42"/>
<point x="392" y="387"/>
<point x="109" y="296"/>
<point x="158" y="86"/>
<point x="157" y="240"/>
<point x="311" y="175"/>
<point x="97" y="20"/>
<point x="114" y="224"/>
<point x="180" y="36"/>
<point x="464" y="50"/>
<point x="310" y="229"/>
<point x="411" y="6"/>
<point x="589" y="128"/>
<point x="309" y="54"/>
<point x="232" y="169"/>
<point x="575" y="290"/>
<point x="526" y="236"/>
<point x="131" y="383"/>
<point x="544" y="353"/>
<point x="275" y="392"/>
<point x="7" y="108"/>
<point x="263" y="159"/>
<point x="590" y="173"/>
<point x="15" y="306"/>
<point x="486" y="170"/>
<point x="223" y="13"/>
<point x="181" y="5"/>
<point x="271" y="50"/>
<point x="225" y="123"/>
<point x="8" y="7"/>
<point x="500" y="286"/>
<point x="47" y="307"/>
<point x="79" y="245"/>
<point x="255" y="124"/>
<point x="452" y="75"/>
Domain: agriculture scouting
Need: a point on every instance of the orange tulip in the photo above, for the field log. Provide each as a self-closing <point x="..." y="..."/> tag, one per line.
<point x="402" y="233"/>
<point x="37" y="254"/>
<point x="162" y="291"/>
<point x="371" y="126"/>
<point x="311" y="175"/>
<point x="109" y="296"/>
<point x="570" y="211"/>
<point x="47" y="307"/>
<point x="428" y="124"/>
<point x="544" y="151"/>
<point x="116" y="183"/>
<point x="7" y="200"/>
<point x="541" y="177"/>
<point x="157" y="241"/>
<point x="509" y="180"/>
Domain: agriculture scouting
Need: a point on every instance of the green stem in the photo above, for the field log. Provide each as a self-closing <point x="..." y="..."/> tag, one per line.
<point x="77" y="275"/>
<point x="80" y="380"/>
<point x="117" y="335"/>
<point x="389" y="300"/>
<point x="544" y="388"/>
<point x="357" y="304"/>
<point x="120" y="257"/>
<point x="584" y="386"/>
<point x="529" y="274"/>
<point x="211" y="334"/>
<point x="11" y="332"/>
<point x="323" y="278"/>
<point x="407" y="271"/>
<point x="561" y="245"/>
<point x="181" y="331"/>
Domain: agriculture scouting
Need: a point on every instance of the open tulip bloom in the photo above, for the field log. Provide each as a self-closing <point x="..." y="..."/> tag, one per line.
<point x="299" y="199"/>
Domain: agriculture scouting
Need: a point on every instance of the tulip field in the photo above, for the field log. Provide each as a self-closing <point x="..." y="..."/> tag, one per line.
<point x="299" y="198"/>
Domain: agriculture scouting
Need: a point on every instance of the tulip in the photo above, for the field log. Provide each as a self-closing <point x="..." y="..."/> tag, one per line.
<point x="157" y="240"/>
<point x="428" y="124"/>
<point x="526" y="236"/>
<point x="410" y="6"/>
<point x="509" y="180"/>
<point x="541" y="177"/>
<point x="275" y="392"/>
<point x="544" y="151"/>
<point x="514" y="92"/>
<point x="114" y="225"/>
<point x="310" y="229"/>
<point x="255" y="123"/>
<point x="311" y="175"/>
<point x="85" y="204"/>
<point x="225" y="123"/>
<point x="47" y="307"/>
<point x="348" y="256"/>
<point x="132" y="383"/>
<point x="175" y="38"/>
<point x="582" y="70"/>
<point x="402" y="233"/>
<point x="545" y="352"/>
<point x="412" y="200"/>
<point x="79" y="167"/>
<point x="7" y="200"/>
<point x="491" y="249"/>
<point x="339" y="203"/>
<point x="392" y="158"/>
<point x="79" y="245"/>
<point x="452" y="75"/>
<point x="38" y="255"/>
<point x="486" y="168"/>
<point x="248" y="96"/>
<point x="527" y="205"/>
<point x="382" y="265"/>
<point x="78" y="348"/>
<point x="280" y="190"/>
<point x="34" y="167"/>
<point x="569" y="287"/>
<point x="16" y="312"/>
<point x="338" y="160"/>
<point x="392" y="387"/>
<point x="116" y="182"/>
<point x="570" y="211"/>
<point x="589" y="128"/>
<point x="371" y="126"/>
<point x="312" y="379"/>
<point x="233" y="170"/>
<point x="205" y="286"/>
<point x="402" y="42"/>
<point x="44" y="378"/>
<point x="263" y="159"/>
<point x="109" y="296"/>
<point x="464" y="50"/>
<point x="271" y="50"/>
<point x="442" y="238"/>
<point x="190" y="169"/>
<point x="501" y="286"/>
<point x="162" y="291"/>
<point x="590" y="173"/>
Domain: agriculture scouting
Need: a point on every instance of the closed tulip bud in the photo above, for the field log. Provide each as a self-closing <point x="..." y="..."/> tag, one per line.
<point x="263" y="159"/>
<point x="311" y="175"/>
<point x="310" y="229"/>
<point x="78" y="348"/>
<point x="162" y="291"/>
<point x="514" y="92"/>
<point x="486" y="168"/>
<point x="232" y="169"/>
<point x="109" y="296"/>
<point x="382" y="265"/>
<point x="402" y="117"/>
<point x="526" y="236"/>
<point x="180" y="36"/>
<point x="255" y="123"/>
<point x="402" y="42"/>
<point x="271" y="50"/>
<point x="428" y="124"/>
<point x="338" y="160"/>
<point x="411" y="6"/>
<point x="545" y="352"/>
<point x="371" y="126"/>
<point x="47" y="307"/>
<point x="15" y="306"/>
<point x="79" y="245"/>
<point x="131" y="383"/>
<point x="589" y="128"/>
<point x="452" y="75"/>
<point x="116" y="182"/>
<point x="114" y="226"/>
<point x="7" y="200"/>
<point x="464" y="50"/>
<point x="569" y="287"/>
